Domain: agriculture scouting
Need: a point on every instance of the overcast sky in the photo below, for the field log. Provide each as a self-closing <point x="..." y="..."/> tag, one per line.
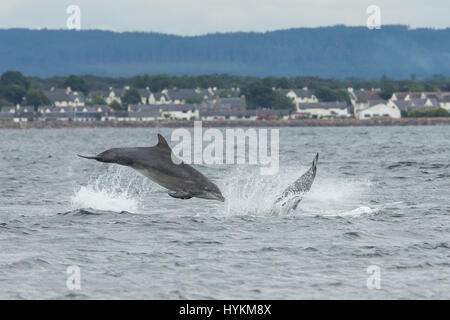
<point x="192" y="17"/>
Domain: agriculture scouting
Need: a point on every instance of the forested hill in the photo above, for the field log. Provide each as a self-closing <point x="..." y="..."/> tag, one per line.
<point x="337" y="51"/>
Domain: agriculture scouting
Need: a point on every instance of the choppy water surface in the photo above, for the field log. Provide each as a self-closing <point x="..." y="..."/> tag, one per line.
<point x="381" y="197"/>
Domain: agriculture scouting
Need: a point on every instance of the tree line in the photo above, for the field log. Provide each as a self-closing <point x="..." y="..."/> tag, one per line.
<point x="15" y="88"/>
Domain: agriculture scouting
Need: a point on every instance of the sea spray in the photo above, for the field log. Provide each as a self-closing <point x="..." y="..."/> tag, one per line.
<point x="117" y="189"/>
<point x="249" y="193"/>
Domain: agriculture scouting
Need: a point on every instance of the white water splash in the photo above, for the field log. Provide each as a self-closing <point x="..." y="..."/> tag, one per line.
<point x="89" y="197"/>
<point x="118" y="189"/>
<point x="247" y="192"/>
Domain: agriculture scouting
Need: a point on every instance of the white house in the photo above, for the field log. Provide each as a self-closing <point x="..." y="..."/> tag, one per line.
<point x="179" y="111"/>
<point x="378" y="109"/>
<point x="115" y="94"/>
<point x="320" y="110"/>
<point x="164" y="111"/>
<point x="158" y="98"/>
<point x="179" y="96"/>
<point x="56" y="113"/>
<point x="445" y="102"/>
<point x="299" y="96"/>
<point x="144" y="115"/>
<point x="92" y="113"/>
<point x="145" y="95"/>
<point x="65" y="97"/>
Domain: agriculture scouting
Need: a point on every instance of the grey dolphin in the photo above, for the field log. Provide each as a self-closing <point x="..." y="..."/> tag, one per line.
<point x="293" y="194"/>
<point x="183" y="181"/>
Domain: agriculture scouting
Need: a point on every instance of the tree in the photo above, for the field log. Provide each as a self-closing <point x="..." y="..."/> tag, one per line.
<point x="13" y="93"/>
<point x="431" y="112"/>
<point x="131" y="96"/>
<point x="259" y="95"/>
<point x="227" y="93"/>
<point x="159" y="82"/>
<point x="193" y="100"/>
<point x="116" y="106"/>
<point x="325" y="94"/>
<point x="282" y="102"/>
<point x="416" y="88"/>
<point x="14" y="78"/>
<point x="36" y="98"/>
<point x="387" y="89"/>
<point x="76" y="83"/>
<point x="4" y="103"/>
<point x="342" y="95"/>
<point x="98" y="99"/>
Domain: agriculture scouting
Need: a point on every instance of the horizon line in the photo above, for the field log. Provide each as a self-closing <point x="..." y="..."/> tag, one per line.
<point x="408" y="27"/>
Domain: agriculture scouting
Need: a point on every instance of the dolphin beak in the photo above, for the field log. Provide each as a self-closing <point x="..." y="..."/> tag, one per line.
<point x="87" y="157"/>
<point x="220" y="197"/>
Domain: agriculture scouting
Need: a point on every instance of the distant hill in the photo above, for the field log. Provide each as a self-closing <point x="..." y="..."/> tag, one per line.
<point x="337" y="51"/>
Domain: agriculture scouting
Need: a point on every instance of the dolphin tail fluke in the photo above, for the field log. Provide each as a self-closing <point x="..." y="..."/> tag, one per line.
<point x="314" y="163"/>
<point x="87" y="157"/>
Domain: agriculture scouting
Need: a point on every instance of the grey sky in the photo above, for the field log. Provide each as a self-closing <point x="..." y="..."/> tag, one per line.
<point x="190" y="17"/>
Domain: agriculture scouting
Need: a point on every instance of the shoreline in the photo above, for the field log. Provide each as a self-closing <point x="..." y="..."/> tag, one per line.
<point x="58" y="124"/>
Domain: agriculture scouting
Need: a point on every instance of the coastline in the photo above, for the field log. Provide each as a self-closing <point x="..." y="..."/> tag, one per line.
<point x="58" y="124"/>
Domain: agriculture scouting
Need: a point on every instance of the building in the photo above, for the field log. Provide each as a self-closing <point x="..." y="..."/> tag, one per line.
<point x="6" y="116"/>
<point x="377" y="109"/>
<point x="158" y="98"/>
<point x="362" y="95"/>
<point x="92" y="113"/>
<point x="445" y="102"/>
<point x="235" y="103"/>
<point x="182" y="96"/>
<point x="145" y="95"/>
<point x="17" y="113"/>
<point x="410" y="104"/>
<point x="144" y="113"/>
<point x="46" y="113"/>
<point x="406" y="96"/>
<point x="7" y="113"/>
<point x="115" y="94"/>
<point x="65" y="97"/>
<point x="24" y="113"/>
<point x="299" y="96"/>
<point x="179" y="111"/>
<point x="166" y="111"/>
<point x="223" y="114"/>
<point x="321" y="110"/>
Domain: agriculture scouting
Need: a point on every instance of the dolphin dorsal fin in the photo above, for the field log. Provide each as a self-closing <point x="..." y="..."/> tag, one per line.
<point x="162" y="143"/>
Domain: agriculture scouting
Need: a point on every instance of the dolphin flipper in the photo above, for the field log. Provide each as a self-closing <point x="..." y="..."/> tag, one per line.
<point x="180" y="195"/>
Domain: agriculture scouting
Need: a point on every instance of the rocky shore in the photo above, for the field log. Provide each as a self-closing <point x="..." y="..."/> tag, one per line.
<point x="226" y="123"/>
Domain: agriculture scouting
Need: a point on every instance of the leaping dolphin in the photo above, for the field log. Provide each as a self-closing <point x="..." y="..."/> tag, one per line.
<point x="183" y="181"/>
<point x="292" y="195"/>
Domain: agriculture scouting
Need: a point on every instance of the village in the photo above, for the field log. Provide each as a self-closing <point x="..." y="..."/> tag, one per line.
<point x="208" y="104"/>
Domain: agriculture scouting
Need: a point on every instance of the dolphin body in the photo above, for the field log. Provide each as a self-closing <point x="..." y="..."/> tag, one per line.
<point x="156" y="163"/>
<point x="293" y="194"/>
